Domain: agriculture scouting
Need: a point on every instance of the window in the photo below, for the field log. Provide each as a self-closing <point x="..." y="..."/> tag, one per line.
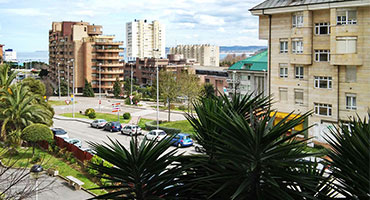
<point x="298" y="96"/>
<point x="322" y="28"/>
<point x="283" y="94"/>
<point x="346" y="17"/>
<point x="351" y="73"/>
<point x="85" y="29"/>
<point x="322" y="109"/>
<point x="297" y="45"/>
<point x="322" y="55"/>
<point x="283" y="70"/>
<point x="297" y="19"/>
<point x="351" y="101"/>
<point x="323" y="82"/>
<point x="283" y="46"/>
<point x="207" y="80"/>
<point x="299" y="72"/>
<point x="346" y="44"/>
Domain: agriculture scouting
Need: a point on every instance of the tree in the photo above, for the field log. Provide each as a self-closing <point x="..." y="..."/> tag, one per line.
<point x="18" y="109"/>
<point x="189" y="87"/>
<point x="117" y="88"/>
<point x="36" y="133"/>
<point x="88" y="91"/>
<point x="349" y="158"/>
<point x="208" y="90"/>
<point x="144" y="171"/>
<point x="43" y="73"/>
<point x="36" y="86"/>
<point x="6" y="76"/>
<point x="247" y="155"/>
<point x="168" y="88"/>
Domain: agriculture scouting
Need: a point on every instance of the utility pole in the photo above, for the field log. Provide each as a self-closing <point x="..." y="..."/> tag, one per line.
<point x="156" y="64"/>
<point x="99" y="87"/>
<point x="132" y="74"/>
<point x="234" y="72"/>
<point x="59" y="80"/>
<point x="68" y="79"/>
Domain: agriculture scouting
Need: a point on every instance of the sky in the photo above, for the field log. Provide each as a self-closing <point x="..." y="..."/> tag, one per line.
<point x="25" y="24"/>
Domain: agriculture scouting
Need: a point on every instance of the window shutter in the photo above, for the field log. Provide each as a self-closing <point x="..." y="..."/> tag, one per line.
<point x="341" y="46"/>
<point x="351" y="46"/>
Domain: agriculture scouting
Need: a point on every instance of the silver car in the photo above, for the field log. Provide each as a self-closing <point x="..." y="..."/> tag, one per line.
<point x="99" y="123"/>
<point x="156" y="135"/>
<point x="74" y="141"/>
<point x="131" y="130"/>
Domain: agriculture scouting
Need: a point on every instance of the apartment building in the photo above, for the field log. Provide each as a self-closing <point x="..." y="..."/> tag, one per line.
<point x="82" y="46"/>
<point x="319" y="59"/>
<point x="249" y="75"/>
<point x="205" y="54"/>
<point x="217" y="76"/>
<point x="1" y="53"/>
<point x="145" y="40"/>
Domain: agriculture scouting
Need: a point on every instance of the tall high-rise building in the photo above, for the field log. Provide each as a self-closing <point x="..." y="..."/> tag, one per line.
<point x="205" y="54"/>
<point x="145" y="40"/>
<point x="319" y="59"/>
<point x="83" y="45"/>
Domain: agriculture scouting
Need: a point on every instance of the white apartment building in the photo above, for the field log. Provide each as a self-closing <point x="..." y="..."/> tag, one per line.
<point x="143" y="38"/>
<point x="205" y="54"/>
<point x="10" y="55"/>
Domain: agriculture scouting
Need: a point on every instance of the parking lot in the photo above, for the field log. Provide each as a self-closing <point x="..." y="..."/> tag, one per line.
<point x="87" y="134"/>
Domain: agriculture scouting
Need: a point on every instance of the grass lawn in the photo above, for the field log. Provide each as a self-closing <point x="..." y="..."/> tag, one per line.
<point x="49" y="161"/>
<point x="58" y="103"/>
<point x="184" y="125"/>
<point x="143" y="121"/>
<point x="106" y="116"/>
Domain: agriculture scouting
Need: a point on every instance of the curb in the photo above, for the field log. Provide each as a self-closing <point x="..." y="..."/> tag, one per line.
<point x="71" y="119"/>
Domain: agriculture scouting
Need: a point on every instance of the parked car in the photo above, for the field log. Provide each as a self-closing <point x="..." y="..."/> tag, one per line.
<point x="74" y="141"/>
<point x="89" y="150"/>
<point x="113" y="126"/>
<point x="131" y="130"/>
<point x="99" y="123"/>
<point x="156" y="134"/>
<point x="182" y="140"/>
<point x="59" y="132"/>
<point x="199" y="148"/>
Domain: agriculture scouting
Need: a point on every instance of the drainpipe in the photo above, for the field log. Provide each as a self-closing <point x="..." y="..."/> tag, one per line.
<point x="269" y="52"/>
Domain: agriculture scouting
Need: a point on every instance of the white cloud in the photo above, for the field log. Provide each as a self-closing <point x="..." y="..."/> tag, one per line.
<point x="186" y="25"/>
<point x="209" y="20"/>
<point x="221" y="29"/>
<point x="25" y="12"/>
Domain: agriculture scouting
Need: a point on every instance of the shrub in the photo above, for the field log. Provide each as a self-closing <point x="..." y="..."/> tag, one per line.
<point x="126" y="115"/>
<point x="35" y="133"/>
<point x="152" y="126"/>
<point x="182" y="107"/>
<point x="36" y="159"/>
<point x="92" y="115"/>
<point x="89" y="110"/>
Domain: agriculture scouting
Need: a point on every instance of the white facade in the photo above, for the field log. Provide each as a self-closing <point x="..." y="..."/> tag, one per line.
<point x="205" y="54"/>
<point x="10" y="55"/>
<point x="143" y="37"/>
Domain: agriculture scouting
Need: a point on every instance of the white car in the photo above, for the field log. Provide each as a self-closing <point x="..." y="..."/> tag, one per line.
<point x="74" y="141"/>
<point x="156" y="134"/>
<point x="59" y="132"/>
<point x="99" y="123"/>
<point x="131" y="130"/>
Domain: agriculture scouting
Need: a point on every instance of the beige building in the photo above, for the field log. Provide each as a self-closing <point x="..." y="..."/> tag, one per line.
<point x="319" y="58"/>
<point x="145" y="40"/>
<point x="205" y="54"/>
<point x="83" y="45"/>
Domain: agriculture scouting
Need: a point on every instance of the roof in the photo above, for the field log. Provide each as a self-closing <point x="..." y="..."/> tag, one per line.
<point x="288" y="3"/>
<point x="254" y="63"/>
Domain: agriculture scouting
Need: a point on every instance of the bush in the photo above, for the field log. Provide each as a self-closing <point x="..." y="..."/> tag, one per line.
<point x="126" y="115"/>
<point x="152" y="125"/>
<point x="92" y="115"/>
<point x="36" y="159"/>
<point x="182" y="107"/>
<point x="89" y="110"/>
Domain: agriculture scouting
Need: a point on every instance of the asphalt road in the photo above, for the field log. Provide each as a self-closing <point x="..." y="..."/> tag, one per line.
<point x="87" y="134"/>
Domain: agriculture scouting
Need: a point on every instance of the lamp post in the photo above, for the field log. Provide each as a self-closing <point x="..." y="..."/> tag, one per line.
<point x="155" y="63"/>
<point x="99" y="87"/>
<point x="234" y="72"/>
<point x="68" y="79"/>
<point x="73" y="89"/>
<point x="35" y="173"/>
<point x="132" y="74"/>
<point x="59" y="81"/>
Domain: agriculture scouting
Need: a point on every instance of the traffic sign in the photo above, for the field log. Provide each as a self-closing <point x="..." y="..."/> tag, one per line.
<point x="67" y="102"/>
<point x="71" y="99"/>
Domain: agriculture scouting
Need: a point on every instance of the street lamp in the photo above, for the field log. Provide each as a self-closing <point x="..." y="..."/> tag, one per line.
<point x="73" y="89"/>
<point x="35" y="172"/>
<point x="132" y="74"/>
<point x="99" y="87"/>
<point x="59" y="81"/>
<point x="68" y="79"/>
<point x="155" y="63"/>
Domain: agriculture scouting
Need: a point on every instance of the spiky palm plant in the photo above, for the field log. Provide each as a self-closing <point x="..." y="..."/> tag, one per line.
<point x="6" y="76"/>
<point x="248" y="157"/>
<point x="349" y="158"/>
<point x="18" y="110"/>
<point x="146" y="171"/>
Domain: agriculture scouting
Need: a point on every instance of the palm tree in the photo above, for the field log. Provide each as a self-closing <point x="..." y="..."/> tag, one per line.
<point x="6" y="76"/>
<point x="145" y="171"/>
<point x="248" y="156"/>
<point x="19" y="109"/>
<point x="349" y="158"/>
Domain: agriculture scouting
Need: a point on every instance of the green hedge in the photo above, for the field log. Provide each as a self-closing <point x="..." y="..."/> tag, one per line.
<point x="152" y="125"/>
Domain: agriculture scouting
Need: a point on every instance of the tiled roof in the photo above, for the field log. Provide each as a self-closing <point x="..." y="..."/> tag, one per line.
<point x="287" y="3"/>
<point x="254" y="63"/>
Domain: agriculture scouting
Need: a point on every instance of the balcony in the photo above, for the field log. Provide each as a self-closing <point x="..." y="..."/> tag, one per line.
<point x="303" y="59"/>
<point x="109" y="57"/>
<point x="110" y="43"/>
<point x="109" y="50"/>
<point x="346" y="59"/>
<point x="108" y="71"/>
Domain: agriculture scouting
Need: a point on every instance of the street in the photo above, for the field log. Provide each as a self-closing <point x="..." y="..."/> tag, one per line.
<point x="86" y="134"/>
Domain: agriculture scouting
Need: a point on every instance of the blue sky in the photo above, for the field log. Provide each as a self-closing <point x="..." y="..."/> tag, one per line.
<point x="24" y="24"/>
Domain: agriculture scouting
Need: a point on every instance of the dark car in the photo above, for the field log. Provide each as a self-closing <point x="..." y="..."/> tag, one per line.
<point x="182" y="140"/>
<point x="59" y="132"/>
<point x="113" y="126"/>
